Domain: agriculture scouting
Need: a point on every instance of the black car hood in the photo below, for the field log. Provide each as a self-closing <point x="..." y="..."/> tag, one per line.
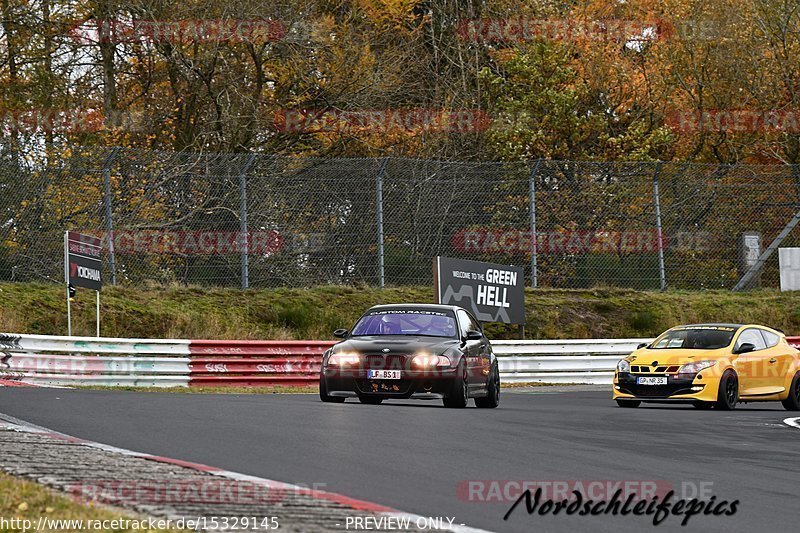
<point x="398" y="344"/>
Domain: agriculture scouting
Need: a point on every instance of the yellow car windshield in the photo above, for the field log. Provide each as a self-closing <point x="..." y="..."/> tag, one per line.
<point x="695" y="339"/>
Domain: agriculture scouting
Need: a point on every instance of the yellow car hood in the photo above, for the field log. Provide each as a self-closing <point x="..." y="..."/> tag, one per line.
<point x="675" y="356"/>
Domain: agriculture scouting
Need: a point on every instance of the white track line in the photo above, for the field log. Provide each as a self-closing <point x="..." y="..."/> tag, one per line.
<point x="794" y="422"/>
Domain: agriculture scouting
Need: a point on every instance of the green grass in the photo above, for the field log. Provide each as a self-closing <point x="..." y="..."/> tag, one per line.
<point x="23" y="499"/>
<point x="195" y="313"/>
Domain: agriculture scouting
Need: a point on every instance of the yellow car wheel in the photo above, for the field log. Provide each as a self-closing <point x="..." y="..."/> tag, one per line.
<point x="728" y="394"/>
<point x="792" y="403"/>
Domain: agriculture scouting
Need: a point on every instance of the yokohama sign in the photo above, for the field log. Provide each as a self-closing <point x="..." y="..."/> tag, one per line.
<point x="83" y="261"/>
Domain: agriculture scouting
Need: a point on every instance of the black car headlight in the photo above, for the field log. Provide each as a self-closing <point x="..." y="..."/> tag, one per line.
<point x="424" y="360"/>
<point x="344" y="359"/>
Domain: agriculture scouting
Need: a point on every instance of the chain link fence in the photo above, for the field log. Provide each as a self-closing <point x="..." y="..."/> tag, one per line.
<point x="243" y="220"/>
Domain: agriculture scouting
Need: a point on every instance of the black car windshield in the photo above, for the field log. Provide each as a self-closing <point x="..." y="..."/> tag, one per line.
<point x="406" y="322"/>
<point x="695" y="338"/>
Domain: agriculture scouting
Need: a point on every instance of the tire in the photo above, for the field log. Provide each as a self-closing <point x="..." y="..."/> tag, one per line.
<point x="370" y="400"/>
<point x="323" y="392"/>
<point x="459" y="394"/>
<point x="702" y="405"/>
<point x="728" y="395"/>
<point x="792" y="403"/>
<point x="492" y="399"/>
<point x="629" y="403"/>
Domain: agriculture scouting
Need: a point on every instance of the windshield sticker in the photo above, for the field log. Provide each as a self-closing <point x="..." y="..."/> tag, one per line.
<point x="408" y="312"/>
<point x="710" y="328"/>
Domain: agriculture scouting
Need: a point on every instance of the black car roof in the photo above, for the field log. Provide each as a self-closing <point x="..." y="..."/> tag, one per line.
<point x="423" y="307"/>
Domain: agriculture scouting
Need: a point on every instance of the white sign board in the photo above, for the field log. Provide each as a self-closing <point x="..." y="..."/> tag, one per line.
<point x="789" y="261"/>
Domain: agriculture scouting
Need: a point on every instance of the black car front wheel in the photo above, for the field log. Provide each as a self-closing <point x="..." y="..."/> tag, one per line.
<point x="492" y="399"/>
<point x="323" y="392"/>
<point x="728" y="395"/>
<point x="458" y="395"/>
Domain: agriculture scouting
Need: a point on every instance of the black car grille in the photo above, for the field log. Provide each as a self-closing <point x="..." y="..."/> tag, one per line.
<point x="657" y="391"/>
<point x="385" y="362"/>
<point x="641" y="369"/>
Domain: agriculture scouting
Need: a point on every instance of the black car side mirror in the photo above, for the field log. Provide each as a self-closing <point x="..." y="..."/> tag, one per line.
<point x="641" y="345"/>
<point x="745" y="347"/>
<point x="340" y="333"/>
<point x="474" y="335"/>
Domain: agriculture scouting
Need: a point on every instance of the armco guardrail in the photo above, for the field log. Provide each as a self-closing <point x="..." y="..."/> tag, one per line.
<point x="51" y="360"/>
<point x="41" y="359"/>
<point x="254" y="363"/>
<point x="562" y="361"/>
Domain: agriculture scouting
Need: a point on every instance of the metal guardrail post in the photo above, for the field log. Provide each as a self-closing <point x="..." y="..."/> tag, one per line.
<point x="108" y="207"/>
<point x="379" y="215"/>
<point x="244" y="236"/>
<point x="662" y="275"/>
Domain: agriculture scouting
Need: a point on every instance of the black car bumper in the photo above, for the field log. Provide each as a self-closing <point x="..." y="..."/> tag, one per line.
<point x="420" y="385"/>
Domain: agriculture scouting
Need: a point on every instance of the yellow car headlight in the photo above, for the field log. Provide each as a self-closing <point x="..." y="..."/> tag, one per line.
<point x="695" y="367"/>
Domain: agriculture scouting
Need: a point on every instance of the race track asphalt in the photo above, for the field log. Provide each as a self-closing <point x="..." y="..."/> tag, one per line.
<point x="413" y="455"/>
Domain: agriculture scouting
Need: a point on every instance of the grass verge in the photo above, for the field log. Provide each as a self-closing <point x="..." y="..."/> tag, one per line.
<point x="26" y="500"/>
<point x="313" y="313"/>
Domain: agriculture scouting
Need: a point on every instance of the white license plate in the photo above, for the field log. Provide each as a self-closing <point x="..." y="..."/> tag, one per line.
<point x="654" y="380"/>
<point x="383" y="374"/>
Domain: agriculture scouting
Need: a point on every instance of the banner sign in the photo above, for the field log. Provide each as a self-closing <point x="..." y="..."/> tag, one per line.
<point x="82" y="253"/>
<point x="493" y="293"/>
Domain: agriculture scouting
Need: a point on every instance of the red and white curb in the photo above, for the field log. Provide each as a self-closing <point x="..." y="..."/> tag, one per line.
<point x="14" y="424"/>
<point x="18" y="383"/>
<point x="13" y="383"/>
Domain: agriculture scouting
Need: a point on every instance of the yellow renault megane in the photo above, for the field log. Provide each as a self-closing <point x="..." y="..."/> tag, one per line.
<point x="711" y="365"/>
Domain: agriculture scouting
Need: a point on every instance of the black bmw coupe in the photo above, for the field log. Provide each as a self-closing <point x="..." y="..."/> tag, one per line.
<point x="421" y="351"/>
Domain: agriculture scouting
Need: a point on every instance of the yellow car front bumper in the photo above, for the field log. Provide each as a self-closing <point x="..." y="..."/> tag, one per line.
<point x="675" y="387"/>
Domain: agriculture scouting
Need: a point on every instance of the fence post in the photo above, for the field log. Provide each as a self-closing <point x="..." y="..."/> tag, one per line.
<point x="109" y="218"/>
<point x="379" y="215"/>
<point x="743" y="283"/>
<point x="662" y="276"/>
<point x="244" y="236"/>
<point x="534" y="246"/>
